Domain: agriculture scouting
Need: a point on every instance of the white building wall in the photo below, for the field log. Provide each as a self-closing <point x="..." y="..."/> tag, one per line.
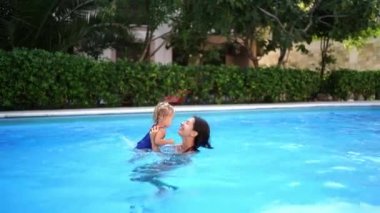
<point x="163" y="55"/>
<point x="109" y="53"/>
<point x="139" y="32"/>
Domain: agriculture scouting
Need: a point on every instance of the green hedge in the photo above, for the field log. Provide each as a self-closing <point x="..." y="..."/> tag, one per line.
<point x="350" y="84"/>
<point x="36" y="79"/>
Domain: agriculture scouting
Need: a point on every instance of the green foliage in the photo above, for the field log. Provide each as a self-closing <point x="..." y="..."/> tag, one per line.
<point x="190" y="29"/>
<point x="277" y="85"/>
<point x="110" y="28"/>
<point x="36" y="79"/>
<point x="349" y="84"/>
<point x="343" y="20"/>
<point x="362" y="37"/>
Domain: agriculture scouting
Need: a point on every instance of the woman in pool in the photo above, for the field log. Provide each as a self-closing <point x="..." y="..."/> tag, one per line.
<point x="195" y="133"/>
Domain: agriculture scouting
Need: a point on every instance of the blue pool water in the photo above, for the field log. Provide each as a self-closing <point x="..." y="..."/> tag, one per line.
<point x="294" y="160"/>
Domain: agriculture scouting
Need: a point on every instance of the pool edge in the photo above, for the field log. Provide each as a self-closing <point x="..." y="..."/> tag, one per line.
<point x="186" y="108"/>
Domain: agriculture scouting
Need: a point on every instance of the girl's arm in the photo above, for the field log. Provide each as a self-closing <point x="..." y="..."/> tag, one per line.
<point x="159" y="138"/>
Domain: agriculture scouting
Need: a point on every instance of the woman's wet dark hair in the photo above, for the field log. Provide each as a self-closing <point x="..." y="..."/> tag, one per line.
<point x="202" y="128"/>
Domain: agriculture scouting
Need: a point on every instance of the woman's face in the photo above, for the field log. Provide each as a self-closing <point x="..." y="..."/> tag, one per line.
<point x="186" y="128"/>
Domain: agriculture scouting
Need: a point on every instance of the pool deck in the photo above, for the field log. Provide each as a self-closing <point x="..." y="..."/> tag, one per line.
<point x="186" y="108"/>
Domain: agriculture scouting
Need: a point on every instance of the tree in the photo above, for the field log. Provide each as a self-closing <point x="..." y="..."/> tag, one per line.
<point x="51" y="25"/>
<point x="341" y="20"/>
<point x="363" y="36"/>
<point x="290" y="22"/>
<point x="247" y="25"/>
<point x="151" y="13"/>
<point x="120" y="18"/>
<point x="110" y="28"/>
<point x="6" y="13"/>
<point x="255" y="26"/>
<point x="193" y="22"/>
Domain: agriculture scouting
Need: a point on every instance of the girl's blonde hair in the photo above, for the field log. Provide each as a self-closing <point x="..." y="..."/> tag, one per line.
<point x="162" y="109"/>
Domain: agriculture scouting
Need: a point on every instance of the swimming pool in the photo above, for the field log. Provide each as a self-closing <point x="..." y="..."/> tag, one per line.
<point x="324" y="159"/>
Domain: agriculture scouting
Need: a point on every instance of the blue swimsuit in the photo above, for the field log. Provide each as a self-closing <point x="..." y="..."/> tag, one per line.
<point x="144" y="143"/>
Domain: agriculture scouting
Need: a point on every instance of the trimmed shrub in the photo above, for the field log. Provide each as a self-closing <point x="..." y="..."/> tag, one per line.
<point x="36" y="79"/>
<point x="349" y="84"/>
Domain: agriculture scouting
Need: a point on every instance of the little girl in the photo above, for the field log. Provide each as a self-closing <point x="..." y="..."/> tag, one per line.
<point x="162" y="117"/>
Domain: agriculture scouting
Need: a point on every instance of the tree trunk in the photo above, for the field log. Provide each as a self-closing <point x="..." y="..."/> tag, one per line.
<point x="324" y="46"/>
<point x="281" y="58"/>
<point x="148" y="40"/>
<point x="148" y="35"/>
<point x="252" y="53"/>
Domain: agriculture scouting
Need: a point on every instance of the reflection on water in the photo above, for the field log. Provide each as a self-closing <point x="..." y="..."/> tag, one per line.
<point x="152" y="172"/>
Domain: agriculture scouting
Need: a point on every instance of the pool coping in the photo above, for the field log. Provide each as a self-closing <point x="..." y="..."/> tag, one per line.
<point x="185" y="108"/>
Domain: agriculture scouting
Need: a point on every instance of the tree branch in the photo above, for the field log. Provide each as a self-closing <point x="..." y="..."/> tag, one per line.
<point x="76" y="8"/>
<point x="158" y="48"/>
<point x="273" y="16"/>
<point x="162" y="35"/>
<point x="331" y="16"/>
<point x="311" y="12"/>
